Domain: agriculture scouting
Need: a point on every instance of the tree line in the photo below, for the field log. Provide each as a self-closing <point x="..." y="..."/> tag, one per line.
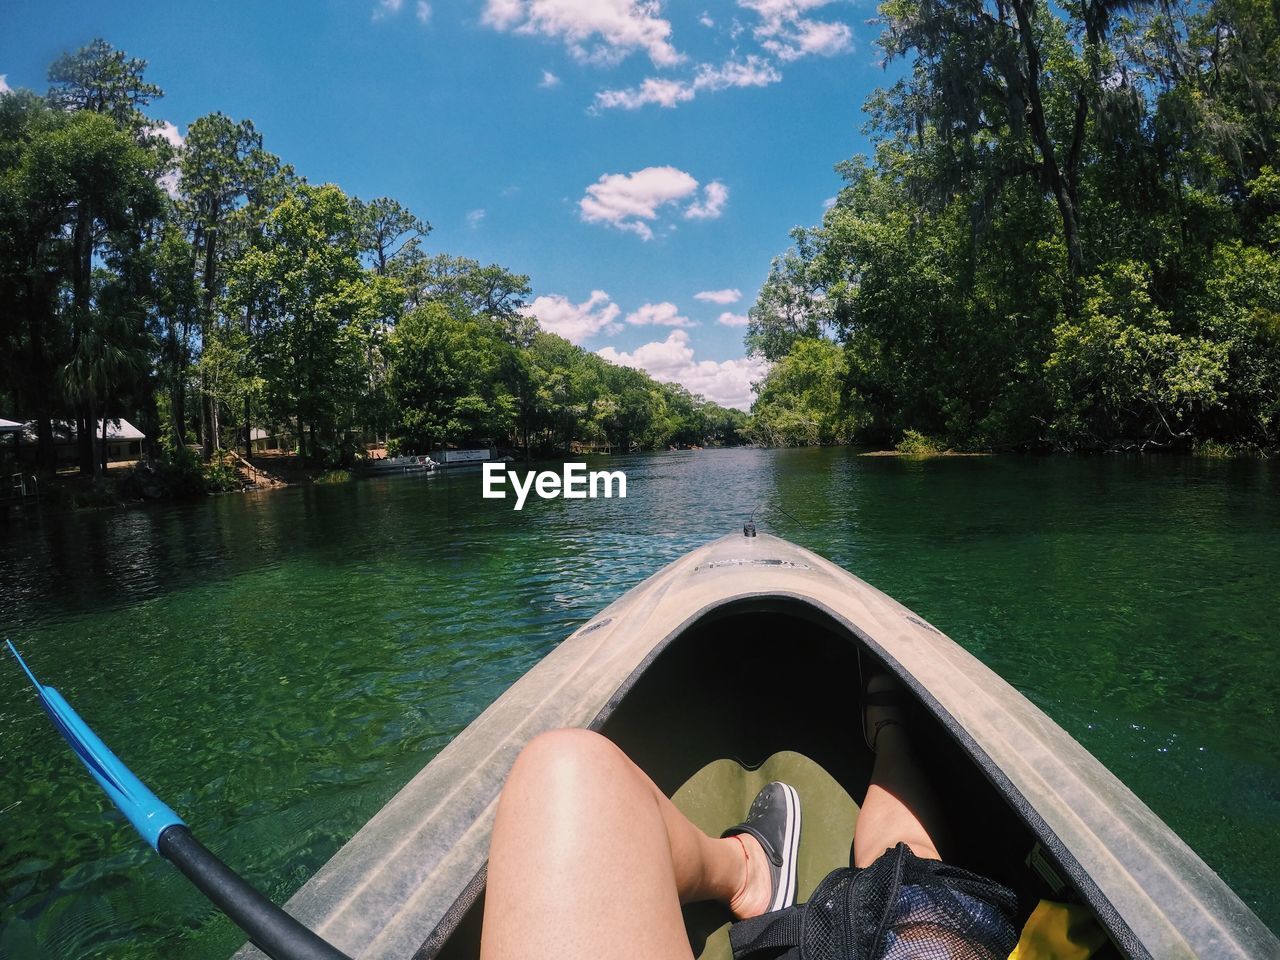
<point x="201" y="287"/>
<point x="1067" y="237"/>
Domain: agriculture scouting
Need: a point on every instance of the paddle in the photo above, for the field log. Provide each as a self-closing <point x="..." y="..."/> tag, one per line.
<point x="271" y="930"/>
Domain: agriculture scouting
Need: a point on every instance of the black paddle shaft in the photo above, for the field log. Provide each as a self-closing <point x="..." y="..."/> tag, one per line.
<point x="272" y="931"/>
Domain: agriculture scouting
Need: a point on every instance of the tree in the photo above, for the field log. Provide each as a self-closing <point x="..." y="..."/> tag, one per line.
<point x="500" y="295"/>
<point x="32" y="264"/>
<point x="1120" y="372"/>
<point x="565" y="380"/>
<point x="1016" y="94"/>
<point x="788" y="308"/>
<point x="1240" y="309"/>
<point x="95" y="79"/>
<point x="103" y="90"/>
<point x="1049" y="245"/>
<point x="228" y="185"/>
<point x="77" y="190"/>
<point x="801" y="403"/>
<point x="247" y="283"/>
<point x="445" y="379"/>
<point x="101" y="79"/>
<point x="313" y="305"/>
<point x="639" y="404"/>
<point x="105" y="356"/>
<point x="467" y="288"/>
<point x="391" y="238"/>
<point x="227" y="371"/>
<point x="391" y="246"/>
<point x="178" y="316"/>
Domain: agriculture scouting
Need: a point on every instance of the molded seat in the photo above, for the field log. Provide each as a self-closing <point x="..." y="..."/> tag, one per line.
<point x="717" y="796"/>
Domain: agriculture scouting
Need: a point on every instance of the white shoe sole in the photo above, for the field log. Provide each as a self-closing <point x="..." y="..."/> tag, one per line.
<point x="785" y="895"/>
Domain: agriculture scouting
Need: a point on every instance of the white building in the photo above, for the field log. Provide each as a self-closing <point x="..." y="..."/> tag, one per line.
<point x="124" y="440"/>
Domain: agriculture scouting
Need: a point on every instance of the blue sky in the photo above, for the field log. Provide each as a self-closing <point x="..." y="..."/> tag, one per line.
<point x="626" y="155"/>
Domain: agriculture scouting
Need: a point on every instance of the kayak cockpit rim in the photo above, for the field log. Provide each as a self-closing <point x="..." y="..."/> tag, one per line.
<point x="800" y="606"/>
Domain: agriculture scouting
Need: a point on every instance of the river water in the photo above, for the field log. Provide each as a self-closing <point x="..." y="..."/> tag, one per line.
<point x="277" y="665"/>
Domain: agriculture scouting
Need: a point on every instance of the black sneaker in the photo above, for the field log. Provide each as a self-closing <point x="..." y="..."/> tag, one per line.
<point x="774" y="820"/>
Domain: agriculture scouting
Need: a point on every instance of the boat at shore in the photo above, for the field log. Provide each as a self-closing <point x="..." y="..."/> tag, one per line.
<point x="402" y="464"/>
<point x="437" y="461"/>
<point x="674" y="670"/>
<point x="468" y="459"/>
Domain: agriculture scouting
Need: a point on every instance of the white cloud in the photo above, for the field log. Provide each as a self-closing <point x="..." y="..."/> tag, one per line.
<point x="163" y="128"/>
<point x="4" y="85"/>
<point x="169" y="183"/>
<point x="628" y="200"/>
<point x="423" y="12"/>
<point x="594" y="31"/>
<point x="475" y="218"/>
<point x="828" y="203"/>
<point x="665" y="314"/>
<point x="387" y="8"/>
<point x="503" y="14"/>
<point x="549" y="80"/>
<point x="786" y="31"/>
<point x="733" y="319"/>
<point x="714" y="196"/>
<point x="659" y="90"/>
<point x="706" y="20"/>
<point x="753" y="71"/>
<point x="575" y="322"/>
<point x="728" y="383"/>
<point x="728" y="295"/>
<point x="811" y="37"/>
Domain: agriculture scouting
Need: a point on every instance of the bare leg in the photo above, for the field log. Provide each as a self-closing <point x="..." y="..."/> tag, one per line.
<point x="589" y="859"/>
<point x="901" y="806"/>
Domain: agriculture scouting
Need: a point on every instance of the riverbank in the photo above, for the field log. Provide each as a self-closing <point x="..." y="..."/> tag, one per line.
<point x="930" y="454"/>
<point x="135" y="483"/>
<point x="180" y="479"/>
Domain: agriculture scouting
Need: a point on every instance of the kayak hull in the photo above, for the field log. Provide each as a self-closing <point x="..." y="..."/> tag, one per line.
<point x="662" y="672"/>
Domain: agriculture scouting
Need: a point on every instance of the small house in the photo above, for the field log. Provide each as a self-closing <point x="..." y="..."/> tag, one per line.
<point x="124" y="441"/>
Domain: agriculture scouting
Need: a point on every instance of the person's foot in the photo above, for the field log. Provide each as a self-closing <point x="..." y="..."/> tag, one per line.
<point x="770" y="838"/>
<point x="756" y="893"/>
<point x="884" y="706"/>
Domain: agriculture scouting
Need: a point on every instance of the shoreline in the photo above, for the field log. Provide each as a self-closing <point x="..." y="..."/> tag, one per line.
<point x="924" y="456"/>
<point x="73" y="493"/>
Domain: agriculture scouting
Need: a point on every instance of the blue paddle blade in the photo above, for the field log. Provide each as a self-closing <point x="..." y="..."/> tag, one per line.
<point x="148" y="814"/>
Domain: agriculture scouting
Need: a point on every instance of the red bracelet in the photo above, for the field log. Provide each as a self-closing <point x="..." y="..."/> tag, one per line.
<point x="746" y="868"/>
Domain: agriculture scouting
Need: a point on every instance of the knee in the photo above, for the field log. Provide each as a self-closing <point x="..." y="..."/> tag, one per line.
<point x="567" y="755"/>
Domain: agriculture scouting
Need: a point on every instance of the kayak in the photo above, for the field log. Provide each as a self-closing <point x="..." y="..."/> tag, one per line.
<point x="674" y="672"/>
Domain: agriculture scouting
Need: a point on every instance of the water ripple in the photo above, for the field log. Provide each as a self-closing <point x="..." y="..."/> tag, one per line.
<point x="278" y="665"/>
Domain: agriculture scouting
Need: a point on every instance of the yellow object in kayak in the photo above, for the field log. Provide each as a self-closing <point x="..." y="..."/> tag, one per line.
<point x="1059" y="931"/>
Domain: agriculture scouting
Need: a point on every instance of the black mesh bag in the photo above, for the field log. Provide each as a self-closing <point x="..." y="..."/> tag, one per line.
<point x="899" y="908"/>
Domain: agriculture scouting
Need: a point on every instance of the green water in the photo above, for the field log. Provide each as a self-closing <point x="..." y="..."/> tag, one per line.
<point x="277" y="665"/>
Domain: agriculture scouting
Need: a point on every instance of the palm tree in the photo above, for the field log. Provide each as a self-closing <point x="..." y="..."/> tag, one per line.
<point x="102" y="359"/>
